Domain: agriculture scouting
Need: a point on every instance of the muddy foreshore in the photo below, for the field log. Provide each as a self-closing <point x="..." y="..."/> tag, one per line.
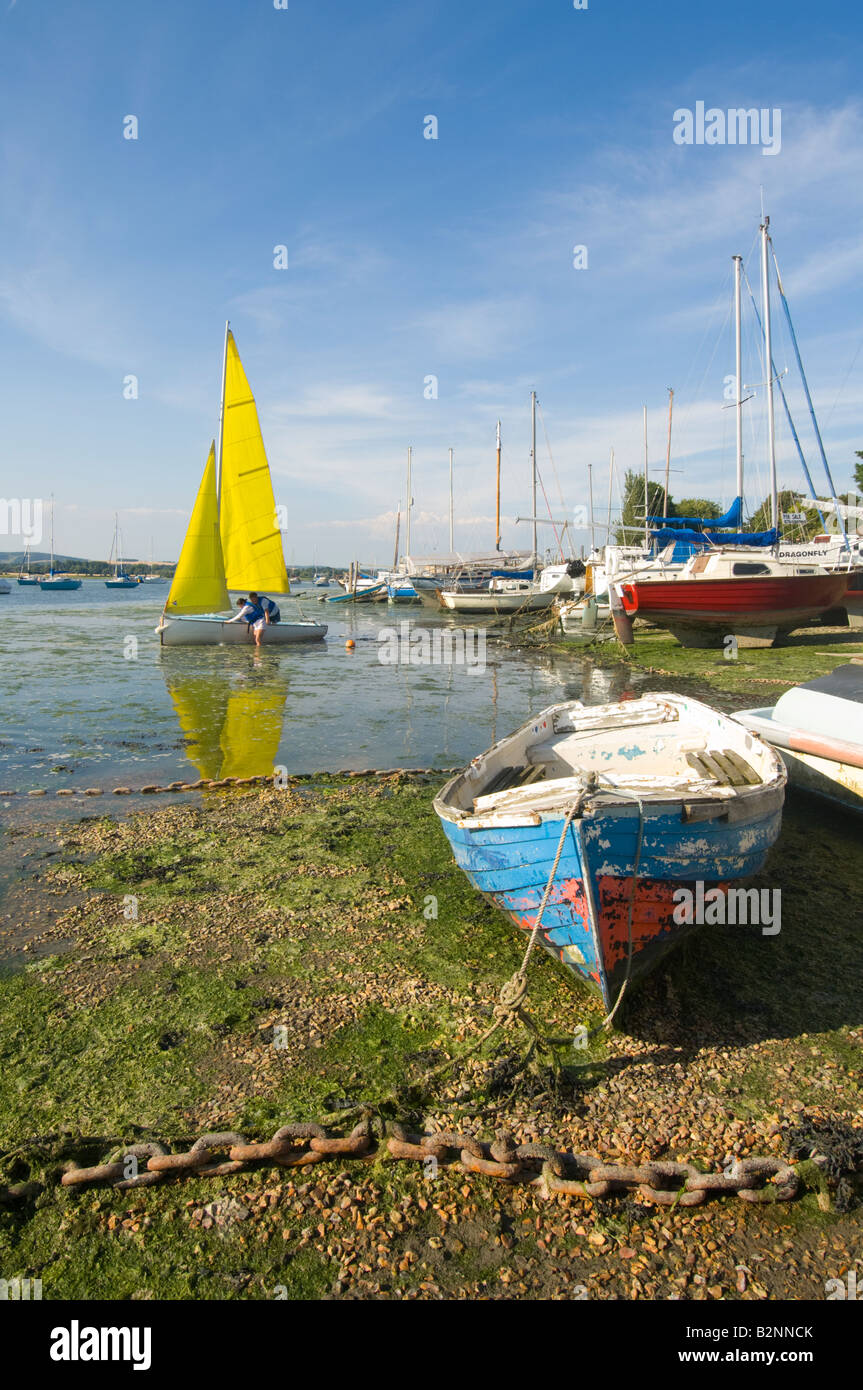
<point x="244" y="958"/>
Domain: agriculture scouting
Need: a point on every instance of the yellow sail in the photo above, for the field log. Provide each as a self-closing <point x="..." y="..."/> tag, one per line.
<point x="251" y="541"/>
<point x="199" y="579"/>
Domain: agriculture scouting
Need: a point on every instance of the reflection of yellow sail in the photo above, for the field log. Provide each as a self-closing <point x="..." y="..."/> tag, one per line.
<point x="198" y="585"/>
<point x="251" y="542"/>
<point x="201" y="705"/>
<point x="230" y="731"/>
<point x="252" y="730"/>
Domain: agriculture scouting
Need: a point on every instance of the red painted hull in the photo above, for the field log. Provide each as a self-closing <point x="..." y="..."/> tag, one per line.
<point x="770" y="601"/>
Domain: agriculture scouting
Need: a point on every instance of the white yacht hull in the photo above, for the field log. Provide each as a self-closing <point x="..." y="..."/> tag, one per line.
<point x="182" y="631"/>
<point x="493" y="603"/>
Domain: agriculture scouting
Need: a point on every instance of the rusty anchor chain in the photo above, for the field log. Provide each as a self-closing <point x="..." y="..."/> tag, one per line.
<point x="663" y="1182"/>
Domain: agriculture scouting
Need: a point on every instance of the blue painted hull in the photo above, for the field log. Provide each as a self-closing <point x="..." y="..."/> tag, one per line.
<point x="511" y="866"/>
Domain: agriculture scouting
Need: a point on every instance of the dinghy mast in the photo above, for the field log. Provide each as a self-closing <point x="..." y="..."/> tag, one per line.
<point x="221" y="435"/>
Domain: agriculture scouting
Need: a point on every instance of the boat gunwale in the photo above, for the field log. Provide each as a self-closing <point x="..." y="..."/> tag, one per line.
<point x="605" y="799"/>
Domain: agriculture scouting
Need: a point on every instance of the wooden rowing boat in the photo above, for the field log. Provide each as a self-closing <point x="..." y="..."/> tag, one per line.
<point x="615" y="806"/>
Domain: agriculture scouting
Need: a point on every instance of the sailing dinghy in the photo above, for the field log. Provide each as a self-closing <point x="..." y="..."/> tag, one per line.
<point x="233" y="542"/>
<point x="610" y="810"/>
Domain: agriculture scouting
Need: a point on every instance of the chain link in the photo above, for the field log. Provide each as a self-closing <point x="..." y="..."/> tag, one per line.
<point x="661" y="1181"/>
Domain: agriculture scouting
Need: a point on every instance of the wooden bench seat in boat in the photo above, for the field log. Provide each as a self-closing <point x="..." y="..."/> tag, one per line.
<point x="725" y="767"/>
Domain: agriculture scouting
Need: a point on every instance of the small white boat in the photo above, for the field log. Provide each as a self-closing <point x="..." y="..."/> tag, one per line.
<point x="585" y="615"/>
<point x="361" y="589"/>
<point x="120" y="580"/>
<point x="25" y="578"/>
<point x="561" y="580"/>
<point x="818" y="730"/>
<point x="232" y="542"/>
<point x="205" y="630"/>
<point x="501" y="596"/>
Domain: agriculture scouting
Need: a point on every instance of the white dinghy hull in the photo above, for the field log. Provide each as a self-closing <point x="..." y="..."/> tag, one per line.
<point x="182" y="631"/>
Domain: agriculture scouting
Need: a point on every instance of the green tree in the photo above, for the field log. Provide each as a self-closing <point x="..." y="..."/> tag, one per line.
<point x="789" y="501"/>
<point x="697" y="506"/>
<point x="858" y="470"/>
<point x="632" y="516"/>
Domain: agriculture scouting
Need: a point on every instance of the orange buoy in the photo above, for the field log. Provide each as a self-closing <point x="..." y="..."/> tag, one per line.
<point x="350" y="644"/>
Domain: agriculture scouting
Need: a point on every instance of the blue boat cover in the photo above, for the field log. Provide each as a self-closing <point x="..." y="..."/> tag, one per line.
<point x="733" y="517"/>
<point x="665" y="535"/>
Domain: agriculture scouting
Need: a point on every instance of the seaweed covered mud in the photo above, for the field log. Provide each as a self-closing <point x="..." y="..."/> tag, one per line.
<point x="245" y="959"/>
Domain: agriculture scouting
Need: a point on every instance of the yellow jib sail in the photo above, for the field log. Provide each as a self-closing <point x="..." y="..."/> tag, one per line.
<point x="251" y="542"/>
<point x="199" y="579"/>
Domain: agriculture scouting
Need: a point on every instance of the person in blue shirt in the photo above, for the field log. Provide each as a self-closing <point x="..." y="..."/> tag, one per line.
<point x="270" y="607"/>
<point x="252" y="614"/>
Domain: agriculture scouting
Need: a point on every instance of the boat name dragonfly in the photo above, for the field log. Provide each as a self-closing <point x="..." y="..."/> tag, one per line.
<point x="418" y="646"/>
<point x="736" y="907"/>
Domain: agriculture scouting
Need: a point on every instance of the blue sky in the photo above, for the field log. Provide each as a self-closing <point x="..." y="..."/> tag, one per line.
<point x="410" y="257"/>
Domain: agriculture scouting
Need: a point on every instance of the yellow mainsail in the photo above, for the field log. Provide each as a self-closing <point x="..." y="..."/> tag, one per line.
<point x="199" y="584"/>
<point x="251" y="541"/>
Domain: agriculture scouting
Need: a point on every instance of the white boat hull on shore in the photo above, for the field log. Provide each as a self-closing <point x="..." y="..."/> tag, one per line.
<point x="182" y="631"/>
<point x="817" y="728"/>
<point x="499" y="601"/>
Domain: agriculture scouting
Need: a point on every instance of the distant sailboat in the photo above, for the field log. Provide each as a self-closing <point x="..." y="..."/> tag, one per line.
<point x="57" y="581"/>
<point x="232" y="542"/>
<point x="24" y="575"/>
<point x="152" y="577"/>
<point x="121" y="579"/>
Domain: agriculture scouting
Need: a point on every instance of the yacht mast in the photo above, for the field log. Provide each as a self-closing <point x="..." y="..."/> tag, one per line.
<point x="768" y="355"/>
<point x="451" y="540"/>
<point x="408" y="509"/>
<point x="738" y="370"/>
<point x="533" y="467"/>
<point x="646" y="505"/>
<point x="497" y="511"/>
<point x="668" y="453"/>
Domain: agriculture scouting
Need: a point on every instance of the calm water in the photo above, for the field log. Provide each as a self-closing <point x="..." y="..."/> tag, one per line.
<point x="80" y="710"/>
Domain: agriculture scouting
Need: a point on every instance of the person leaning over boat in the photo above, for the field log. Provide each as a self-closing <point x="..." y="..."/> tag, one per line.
<point x="252" y="614"/>
<point x="270" y="607"/>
